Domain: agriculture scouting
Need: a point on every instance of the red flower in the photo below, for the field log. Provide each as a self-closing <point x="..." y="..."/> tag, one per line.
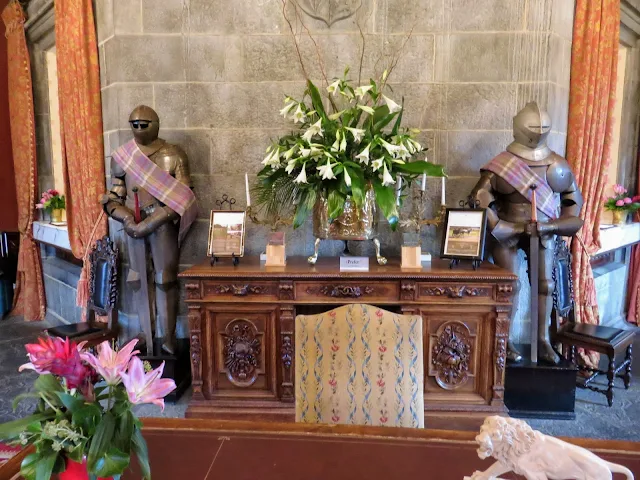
<point x="384" y="419"/>
<point x="58" y="357"/>
<point x="53" y="192"/>
<point x="636" y="198"/>
<point x="381" y="383"/>
<point x="333" y="382"/>
<point x="382" y="348"/>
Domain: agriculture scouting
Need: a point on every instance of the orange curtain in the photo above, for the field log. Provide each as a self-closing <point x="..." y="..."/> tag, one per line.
<point x="633" y="295"/>
<point x="81" y="119"/>
<point x="29" y="299"/>
<point x="594" y="62"/>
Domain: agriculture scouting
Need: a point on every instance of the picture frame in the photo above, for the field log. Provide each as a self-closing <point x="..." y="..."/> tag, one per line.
<point x="226" y="233"/>
<point x="464" y="234"/>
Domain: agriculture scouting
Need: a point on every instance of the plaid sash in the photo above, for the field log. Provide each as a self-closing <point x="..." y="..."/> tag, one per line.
<point x="160" y="184"/>
<point x="520" y="176"/>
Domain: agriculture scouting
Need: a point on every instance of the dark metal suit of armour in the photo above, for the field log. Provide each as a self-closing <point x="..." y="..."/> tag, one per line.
<point x="159" y="225"/>
<point x="509" y="214"/>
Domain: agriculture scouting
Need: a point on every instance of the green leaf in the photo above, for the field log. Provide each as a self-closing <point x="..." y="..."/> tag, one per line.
<point x="101" y="440"/>
<point x="396" y="127"/>
<point x="21" y="397"/>
<point x="87" y="418"/>
<point x="378" y="126"/>
<point x="335" y="203"/>
<point x="70" y="402"/>
<point x="381" y="112"/>
<point x="77" y="453"/>
<point x="357" y="183"/>
<point x="139" y="446"/>
<point x="112" y="463"/>
<point x="431" y="169"/>
<point x="316" y="99"/>
<point x="13" y="429"/>
<point x="47" y="384"/>
<point x="385" y="198"/>
<point x="44" y="468"/>
<point x="28" y="466"/>
<point x="124" y="431"/>
<point x="305" y="206"/>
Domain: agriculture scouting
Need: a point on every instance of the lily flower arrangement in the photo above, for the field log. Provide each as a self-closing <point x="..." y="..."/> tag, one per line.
<point x="84" y="409"/>
<point x="347" y="143"/>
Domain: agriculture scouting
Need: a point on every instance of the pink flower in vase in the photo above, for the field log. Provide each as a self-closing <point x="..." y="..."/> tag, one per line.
<point x="39" y="206"/>
<point x="109" y="363"/>
<point x="627" y="201"/>
<point x="619" y="189"/>
<point x="146" y="387"/>
<point x="620" y="203"/>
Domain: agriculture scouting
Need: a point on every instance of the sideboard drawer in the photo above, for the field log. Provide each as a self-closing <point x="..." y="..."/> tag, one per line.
<point x="240" y="289"/>
<point x="459" y="292"/>
<point x="349" y="290"/>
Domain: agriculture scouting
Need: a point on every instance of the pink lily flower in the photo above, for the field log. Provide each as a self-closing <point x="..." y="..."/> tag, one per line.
<point x="109" y="363"/>
<point x="146" y="387"/>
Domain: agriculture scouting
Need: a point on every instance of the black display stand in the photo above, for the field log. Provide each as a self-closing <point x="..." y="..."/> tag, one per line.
<point x="176" y="367"/>
<point x="540" y="391"/>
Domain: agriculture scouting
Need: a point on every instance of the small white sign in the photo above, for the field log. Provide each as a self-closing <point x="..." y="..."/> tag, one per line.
<point x="354" y="264"/>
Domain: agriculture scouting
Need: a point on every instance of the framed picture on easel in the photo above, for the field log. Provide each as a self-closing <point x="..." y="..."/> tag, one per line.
<point x="464" y="234"/>
<point x="226" y="234"/>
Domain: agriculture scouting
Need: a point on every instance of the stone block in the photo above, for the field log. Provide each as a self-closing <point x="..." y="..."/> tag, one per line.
<point x="211" y="16"/>
<point x="194" y="247"/>
<point x="479" y="106"/>
<point x="197" y="146"/>
<point x="127" y="17"/>
<point x="487" y="15"/>
<point x="480" y="57"/>
<point x="360" y="17"/>
<point x="538" y="14"/>
<point x="233" y="152"/>
<point x="221" y="17"/>
<point x="171" y="104"/>
<point x="129" y="97"/>
<point x="167" y="16"/>
<point x="403" y="16"/>
<point x="562" y="14"/>
<point x="52" y="294"/>
<point x="339" y="51"/>
<point x="469" y="151"/>
<point x="274" y="58"/>
<point x="559" y="63"/>
<point x="416" y="57"/>
<point x="239" y="105"/>
<point x="422" y="104"/>
<point x="68" y="303"/>
<point x="558" y="107"/>
<point x="158" y="58"/>
<point x="110" y="114"/>
<point x="210" y="188"/>
<point x="39" y="76"/>
<point x="219" y="58"/>
<point x="104" y="19"/>
<point x="534" y="92"/>
<point x="530" y="59"/>
<point x="558" y="143"/>
<point x="103" y="66"/>
<point x="459" y="188"/>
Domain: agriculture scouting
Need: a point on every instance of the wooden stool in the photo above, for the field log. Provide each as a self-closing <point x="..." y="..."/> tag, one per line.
<point x="606" y="340"/>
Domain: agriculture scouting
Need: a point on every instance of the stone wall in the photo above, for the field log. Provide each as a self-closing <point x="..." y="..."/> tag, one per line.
<point x="217" y="70"/>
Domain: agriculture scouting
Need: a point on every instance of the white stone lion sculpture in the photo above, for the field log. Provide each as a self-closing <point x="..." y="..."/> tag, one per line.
<point x="520" y="449"/>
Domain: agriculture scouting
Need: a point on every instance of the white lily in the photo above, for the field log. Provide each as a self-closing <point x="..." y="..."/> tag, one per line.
<point x="346" y="93"/>
<point x="302" y="178"/>
<point x="285" y="111"/>
<point x="316" y="149"/>
<point x="393" y="106"/>
<point x="363" y="156"/>
<point x="414" y="145"/>
<point x="273" y="158"/>
<point x="392" y="149"/>
<point x="357" y="133"/>
<point x="313" y="130"/>
<point x="347" y="178"/>
<point x="387" y="179"/>
<point x="333" y="88"/>
<point x="366" y="109"/>
<point x="343" y="143"/>
<point x="404" y="153"/>
<point x="337" y="115"/>
<point x="299" y="115"/>
<point x="377" y="164"/>
<point x="289" y="153"/>
<point x="362" y="91"/>
<point x="326" y="171"/>
<point x="305" y="152"/>
<point x="336" y="145"/>
<point x="291" y="165"/>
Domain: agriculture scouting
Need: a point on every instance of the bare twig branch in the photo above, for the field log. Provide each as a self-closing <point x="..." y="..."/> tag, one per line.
<point x="293" y="34"/>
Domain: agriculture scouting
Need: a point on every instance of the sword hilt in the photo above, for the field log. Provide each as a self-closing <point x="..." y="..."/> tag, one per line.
<point x="136" y="204"/>
<point x="534" y="204"/>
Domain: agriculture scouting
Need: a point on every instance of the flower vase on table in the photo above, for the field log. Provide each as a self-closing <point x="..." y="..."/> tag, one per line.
<point x="53" y="203"/>
<point x="620" y="217"/>
<point x="83" y="426"/>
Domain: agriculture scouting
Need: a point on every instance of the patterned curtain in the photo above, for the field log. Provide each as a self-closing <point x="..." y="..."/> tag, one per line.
<point x="81" y="118"/>
<point x="594" y="62"/>
<point x="633" y="295"/>
<point x="29" y="300"/>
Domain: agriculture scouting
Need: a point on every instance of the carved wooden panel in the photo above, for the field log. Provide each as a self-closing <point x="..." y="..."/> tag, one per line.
<point x="195" y="341"/>
<point x="504" y="292"/>
<point x="241" y="289"/>
<point x="286" y="291"/>
<point x="345" y="292"/>
<point x="451" y="355"/>
<point x="430" y="292"/>
<point x="192" y="290"/>
<point x="408" y="290"/>
<point x="287" y="353"/>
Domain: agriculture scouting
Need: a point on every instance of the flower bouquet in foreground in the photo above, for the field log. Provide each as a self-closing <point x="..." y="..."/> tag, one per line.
<point x="83" y="418"/>
<point x="348" y="143"/>
<point x="621" y="204"/>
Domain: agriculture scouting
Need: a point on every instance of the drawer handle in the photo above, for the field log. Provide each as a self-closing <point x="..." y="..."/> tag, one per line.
<point x="239" y="290"/>
<point x="452" y="292"/>
<point x="342" y="291"/>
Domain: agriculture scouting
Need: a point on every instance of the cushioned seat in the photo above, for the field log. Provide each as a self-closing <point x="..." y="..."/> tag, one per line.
<point x="360" y="365"/>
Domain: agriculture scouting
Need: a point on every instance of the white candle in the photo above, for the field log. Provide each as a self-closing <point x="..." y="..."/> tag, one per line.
<point x="399" y="190"/>
<point x="246" y="184"/>
<point x="442" y="200"/>
<point x="424" y="182"/>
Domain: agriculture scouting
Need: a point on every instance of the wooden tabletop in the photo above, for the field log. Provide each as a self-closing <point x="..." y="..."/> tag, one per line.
<point x="208" y="449"/>
<point x="328" y="267"/>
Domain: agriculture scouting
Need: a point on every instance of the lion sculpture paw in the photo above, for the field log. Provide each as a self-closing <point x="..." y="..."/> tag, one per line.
<point x="520" y="449"/>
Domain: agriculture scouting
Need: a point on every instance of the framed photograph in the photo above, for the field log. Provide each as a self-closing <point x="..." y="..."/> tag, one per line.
<point x="226" y="233"/>
<point x="464" y="234"/>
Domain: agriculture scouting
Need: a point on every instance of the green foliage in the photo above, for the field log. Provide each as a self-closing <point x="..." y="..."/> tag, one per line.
<point x="358" y="133"/>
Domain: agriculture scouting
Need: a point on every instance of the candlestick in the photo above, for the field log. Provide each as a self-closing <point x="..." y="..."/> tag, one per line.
<point x="246" y="184"/>
<point x="399" y="190"/>
<point x="442" y="200"/>
<point x="424" y="182"/>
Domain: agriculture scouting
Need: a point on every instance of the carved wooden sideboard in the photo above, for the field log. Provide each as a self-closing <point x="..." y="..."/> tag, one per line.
<point x="241" y="322"/>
